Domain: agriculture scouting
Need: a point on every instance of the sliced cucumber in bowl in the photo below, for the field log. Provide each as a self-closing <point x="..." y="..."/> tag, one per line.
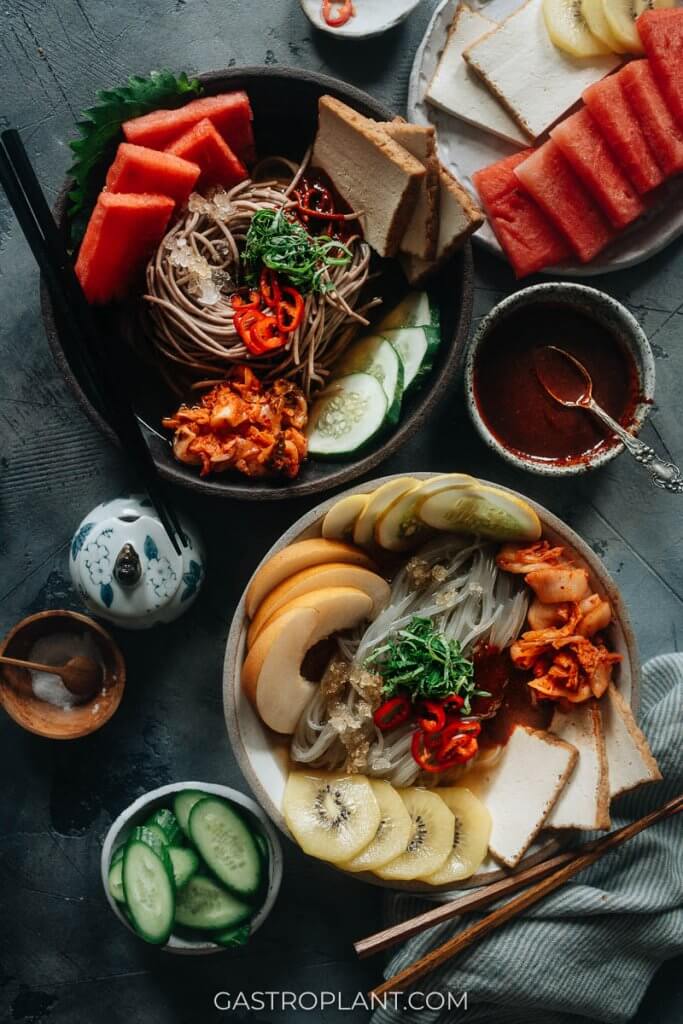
<point x="184" y="863"/>
<point x="149" y="890"/>
<point x="416" y="309"/>
<point x="205" y="905"/>
<point x="346" y="416"/>
<point x="183" y="802"/>
<point x="227" y="846"/>
<point x="373" y="354"/>
<point x="413" y="347"/>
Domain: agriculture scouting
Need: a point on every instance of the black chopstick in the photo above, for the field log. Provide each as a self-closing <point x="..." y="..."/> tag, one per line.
<point x="26" y="198"/>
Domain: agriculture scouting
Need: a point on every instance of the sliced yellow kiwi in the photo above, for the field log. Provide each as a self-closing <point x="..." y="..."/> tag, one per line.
<point x="594" y="16"/>
<point x="431" y="836"/>
<point x="392" y="833"/>
<point x="471" y="840"/>
<point x="569" y="30"/>
<point x="332" y="817"/>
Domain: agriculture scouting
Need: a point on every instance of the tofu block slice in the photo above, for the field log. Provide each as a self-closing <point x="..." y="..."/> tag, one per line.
<point x="459" y="217"/>
<point x="535" y="765"/>
<point x="458" y="90"/>
<point x="629" y="758"/>
<point x="376" y="176"/>
<point x="422" y="233"/>
<point x="584" y="802"/>
<point x="535" y="81"/>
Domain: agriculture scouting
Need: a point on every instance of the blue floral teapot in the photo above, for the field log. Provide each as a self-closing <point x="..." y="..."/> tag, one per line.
<point x="125" y="568"/>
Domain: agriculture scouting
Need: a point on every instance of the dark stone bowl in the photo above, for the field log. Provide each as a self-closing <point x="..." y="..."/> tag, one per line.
<point x="285" y="115"/>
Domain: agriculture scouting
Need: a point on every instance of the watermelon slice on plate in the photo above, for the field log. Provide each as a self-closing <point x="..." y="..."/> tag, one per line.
<point x="620" y="126"/>
<point x="528" y="238"/>
<point x="203" y="145"/>
<point x="230" y="113"/>
<point x="659" y="128"/>
<point x="140" y="170"/>
<point x="661" y="33"/>
<point x="547" y="177"/>
<point x="584" y="147"/>
<point x="122" y="233"/>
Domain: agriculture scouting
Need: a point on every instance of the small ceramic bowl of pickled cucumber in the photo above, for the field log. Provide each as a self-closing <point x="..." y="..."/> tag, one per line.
<point x="193" y="867"/>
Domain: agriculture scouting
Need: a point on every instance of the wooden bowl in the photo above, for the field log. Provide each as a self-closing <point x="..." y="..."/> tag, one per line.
<point x="285" y="104"/>
<point x="39" y="717"/>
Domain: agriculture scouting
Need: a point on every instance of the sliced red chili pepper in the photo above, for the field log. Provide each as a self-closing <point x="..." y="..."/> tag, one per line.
<point x="325" y="214"/>
<point x="345" y="12"/>
<point x="453" y="703"/>
<point x="458" y="748"/>
<point x="265" y="336"/>
<point x="270" y="288"/>
<point x="392" y="713"/>
<point x="244" y="320"/>
<point x="471" y="726"/>
<point x="425" y="751"/>
<point x="290" y="311"/>
<point x="242" y="303"/>
<point x="431" y="716"/>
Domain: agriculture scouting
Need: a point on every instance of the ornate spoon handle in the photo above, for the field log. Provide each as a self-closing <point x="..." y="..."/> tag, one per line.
<point x="662" y="473"/>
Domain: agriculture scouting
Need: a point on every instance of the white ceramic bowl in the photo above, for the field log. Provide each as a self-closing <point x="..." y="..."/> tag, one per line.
<point x="263" y="757"/>
<point x="372" y="17"/>
<point x="140" y="810"/>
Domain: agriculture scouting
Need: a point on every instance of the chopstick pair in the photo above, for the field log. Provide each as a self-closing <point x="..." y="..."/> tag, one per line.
<point x="101" y="362"/>
<point x="547" y="876"/>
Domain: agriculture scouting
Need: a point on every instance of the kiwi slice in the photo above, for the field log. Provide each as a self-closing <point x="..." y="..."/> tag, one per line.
<point x="431" y="837"/>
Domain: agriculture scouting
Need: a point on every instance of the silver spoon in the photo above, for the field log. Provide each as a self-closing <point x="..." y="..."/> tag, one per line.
<point x="662" y="473"/>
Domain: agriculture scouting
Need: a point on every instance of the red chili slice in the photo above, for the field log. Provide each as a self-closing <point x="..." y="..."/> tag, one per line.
<point x="270" y="288"/>
<point x="239" y="302"/>
<point x="265" y="336"/>
<point x="431" y="716"/>
<point x="453" y="704"/>
<point x="290" y="310"/>
<point x="346" y="11"/>
<point x="392" y="713"/>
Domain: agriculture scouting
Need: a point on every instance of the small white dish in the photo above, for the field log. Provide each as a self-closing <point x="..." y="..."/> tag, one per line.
<point x="140" y="810"/>
<point x="372" y="17"/>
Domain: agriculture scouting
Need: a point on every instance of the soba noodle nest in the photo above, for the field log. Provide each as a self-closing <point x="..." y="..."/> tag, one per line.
<point x="468" y="598"/>
<point x="196" y="268"/>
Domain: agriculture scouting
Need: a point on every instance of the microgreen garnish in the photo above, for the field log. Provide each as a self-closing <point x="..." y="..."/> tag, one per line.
<point x="286" y="247"/>
<point x="425" y="664"/>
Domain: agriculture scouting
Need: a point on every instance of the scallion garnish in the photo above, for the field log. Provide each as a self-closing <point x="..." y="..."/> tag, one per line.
<point x="286" y="247"/>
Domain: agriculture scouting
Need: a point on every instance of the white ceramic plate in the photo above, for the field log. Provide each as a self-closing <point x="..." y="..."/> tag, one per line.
<point x="264" y="759"/>
<point x="372" y="17"/>
<point x="465" y="149"/>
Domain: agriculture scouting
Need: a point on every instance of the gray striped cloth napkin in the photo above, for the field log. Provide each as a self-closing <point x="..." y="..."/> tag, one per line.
<point x="589" y="950"/>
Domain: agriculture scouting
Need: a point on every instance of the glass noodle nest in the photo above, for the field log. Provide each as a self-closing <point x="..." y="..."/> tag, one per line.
<point x="190" y="279"/>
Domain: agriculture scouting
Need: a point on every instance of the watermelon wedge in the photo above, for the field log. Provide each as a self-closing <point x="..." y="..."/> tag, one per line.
<point x="122" y="233"/>
<point x="550" y="181"/>
<point x="527" y="237"/>
<point x="618" y="123"/>
<point x="583" y="145"/>
<point x="140" y="170"/>
<point x="664" y="136"/>
<point x="203" y="145"/>
<point x="230" y="113"/>
<point x="662" y="35"/>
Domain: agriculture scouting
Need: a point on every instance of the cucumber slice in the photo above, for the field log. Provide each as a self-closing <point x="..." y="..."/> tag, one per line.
<point x="117" y="855"/>
<point x="115" y="880"/>
<point x="153" y="836"/>
<point x="233" y="936"/>
<point x="184" y="864"/>
<point x="148" y="887"/>
<point x="183" y="802"/>
<point x="227" y="845"/>
<point x="412" y="345"/>
<point x="415" y="310"/>
<point x="262" y="844"/>
<point x="204" y="904"/>
<point x="168" y="823"/>
<point x="347" y="416"/>
<point x="375" y="355"/>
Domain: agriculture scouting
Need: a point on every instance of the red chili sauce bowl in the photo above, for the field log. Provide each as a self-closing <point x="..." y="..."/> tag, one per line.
<point x="511" y="409"/>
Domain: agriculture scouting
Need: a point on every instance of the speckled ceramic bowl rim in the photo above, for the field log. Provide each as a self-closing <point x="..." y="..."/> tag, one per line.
<point x="234" y="656"/>
<point x="345" y="32"/>
<point x="157" y="796"/>
<point x="593" y="301"/>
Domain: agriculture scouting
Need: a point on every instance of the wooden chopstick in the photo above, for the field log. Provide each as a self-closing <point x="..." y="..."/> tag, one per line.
<point x="536" y="892"/>
<point x="85" y="336"/>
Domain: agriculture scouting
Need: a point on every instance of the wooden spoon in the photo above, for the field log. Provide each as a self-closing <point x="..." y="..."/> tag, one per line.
<point x="81" y="675"/>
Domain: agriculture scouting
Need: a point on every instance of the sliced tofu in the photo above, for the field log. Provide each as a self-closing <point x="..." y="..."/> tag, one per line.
<point x="458" y="90"/>
<point x="534" y="764"/>
<point x="584" y="802"/>
<point x="376" y="176"/>
<point x="422" y="233"/>
<point x="629" y="758"/>
<point x="535" y="81"/>
<point x="459" y="217"/>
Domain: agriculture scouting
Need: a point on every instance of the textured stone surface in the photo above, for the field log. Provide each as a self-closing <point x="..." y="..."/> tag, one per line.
<point x="64" y="959"/>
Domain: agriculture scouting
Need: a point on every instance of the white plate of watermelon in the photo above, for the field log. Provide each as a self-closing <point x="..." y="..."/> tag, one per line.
<point x="466" y="149"/>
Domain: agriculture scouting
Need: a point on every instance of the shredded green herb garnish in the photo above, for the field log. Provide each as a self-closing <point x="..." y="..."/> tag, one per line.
<point x="286" y="247"/>
<point x="422" y="661"/>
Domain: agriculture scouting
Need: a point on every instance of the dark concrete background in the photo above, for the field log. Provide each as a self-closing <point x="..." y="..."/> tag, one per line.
<point x="63" y="957"/>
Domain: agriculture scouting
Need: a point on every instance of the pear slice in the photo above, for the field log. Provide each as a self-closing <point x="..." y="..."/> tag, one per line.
<point x="393" y="831"/>
<point x="318" y="577"/>
<point x="331" y="817"/>
<point x="431" y="837"/>
<point x="364" y="530"/>
<point x="485" y="511"/>
<point x="295" y="557"/>
<point x="398" y="527"/>
<point x="569" y="31"/>
<point x="472" y="833"/>
<point x="340" y="521"/>
<point x="594" y="16"/>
